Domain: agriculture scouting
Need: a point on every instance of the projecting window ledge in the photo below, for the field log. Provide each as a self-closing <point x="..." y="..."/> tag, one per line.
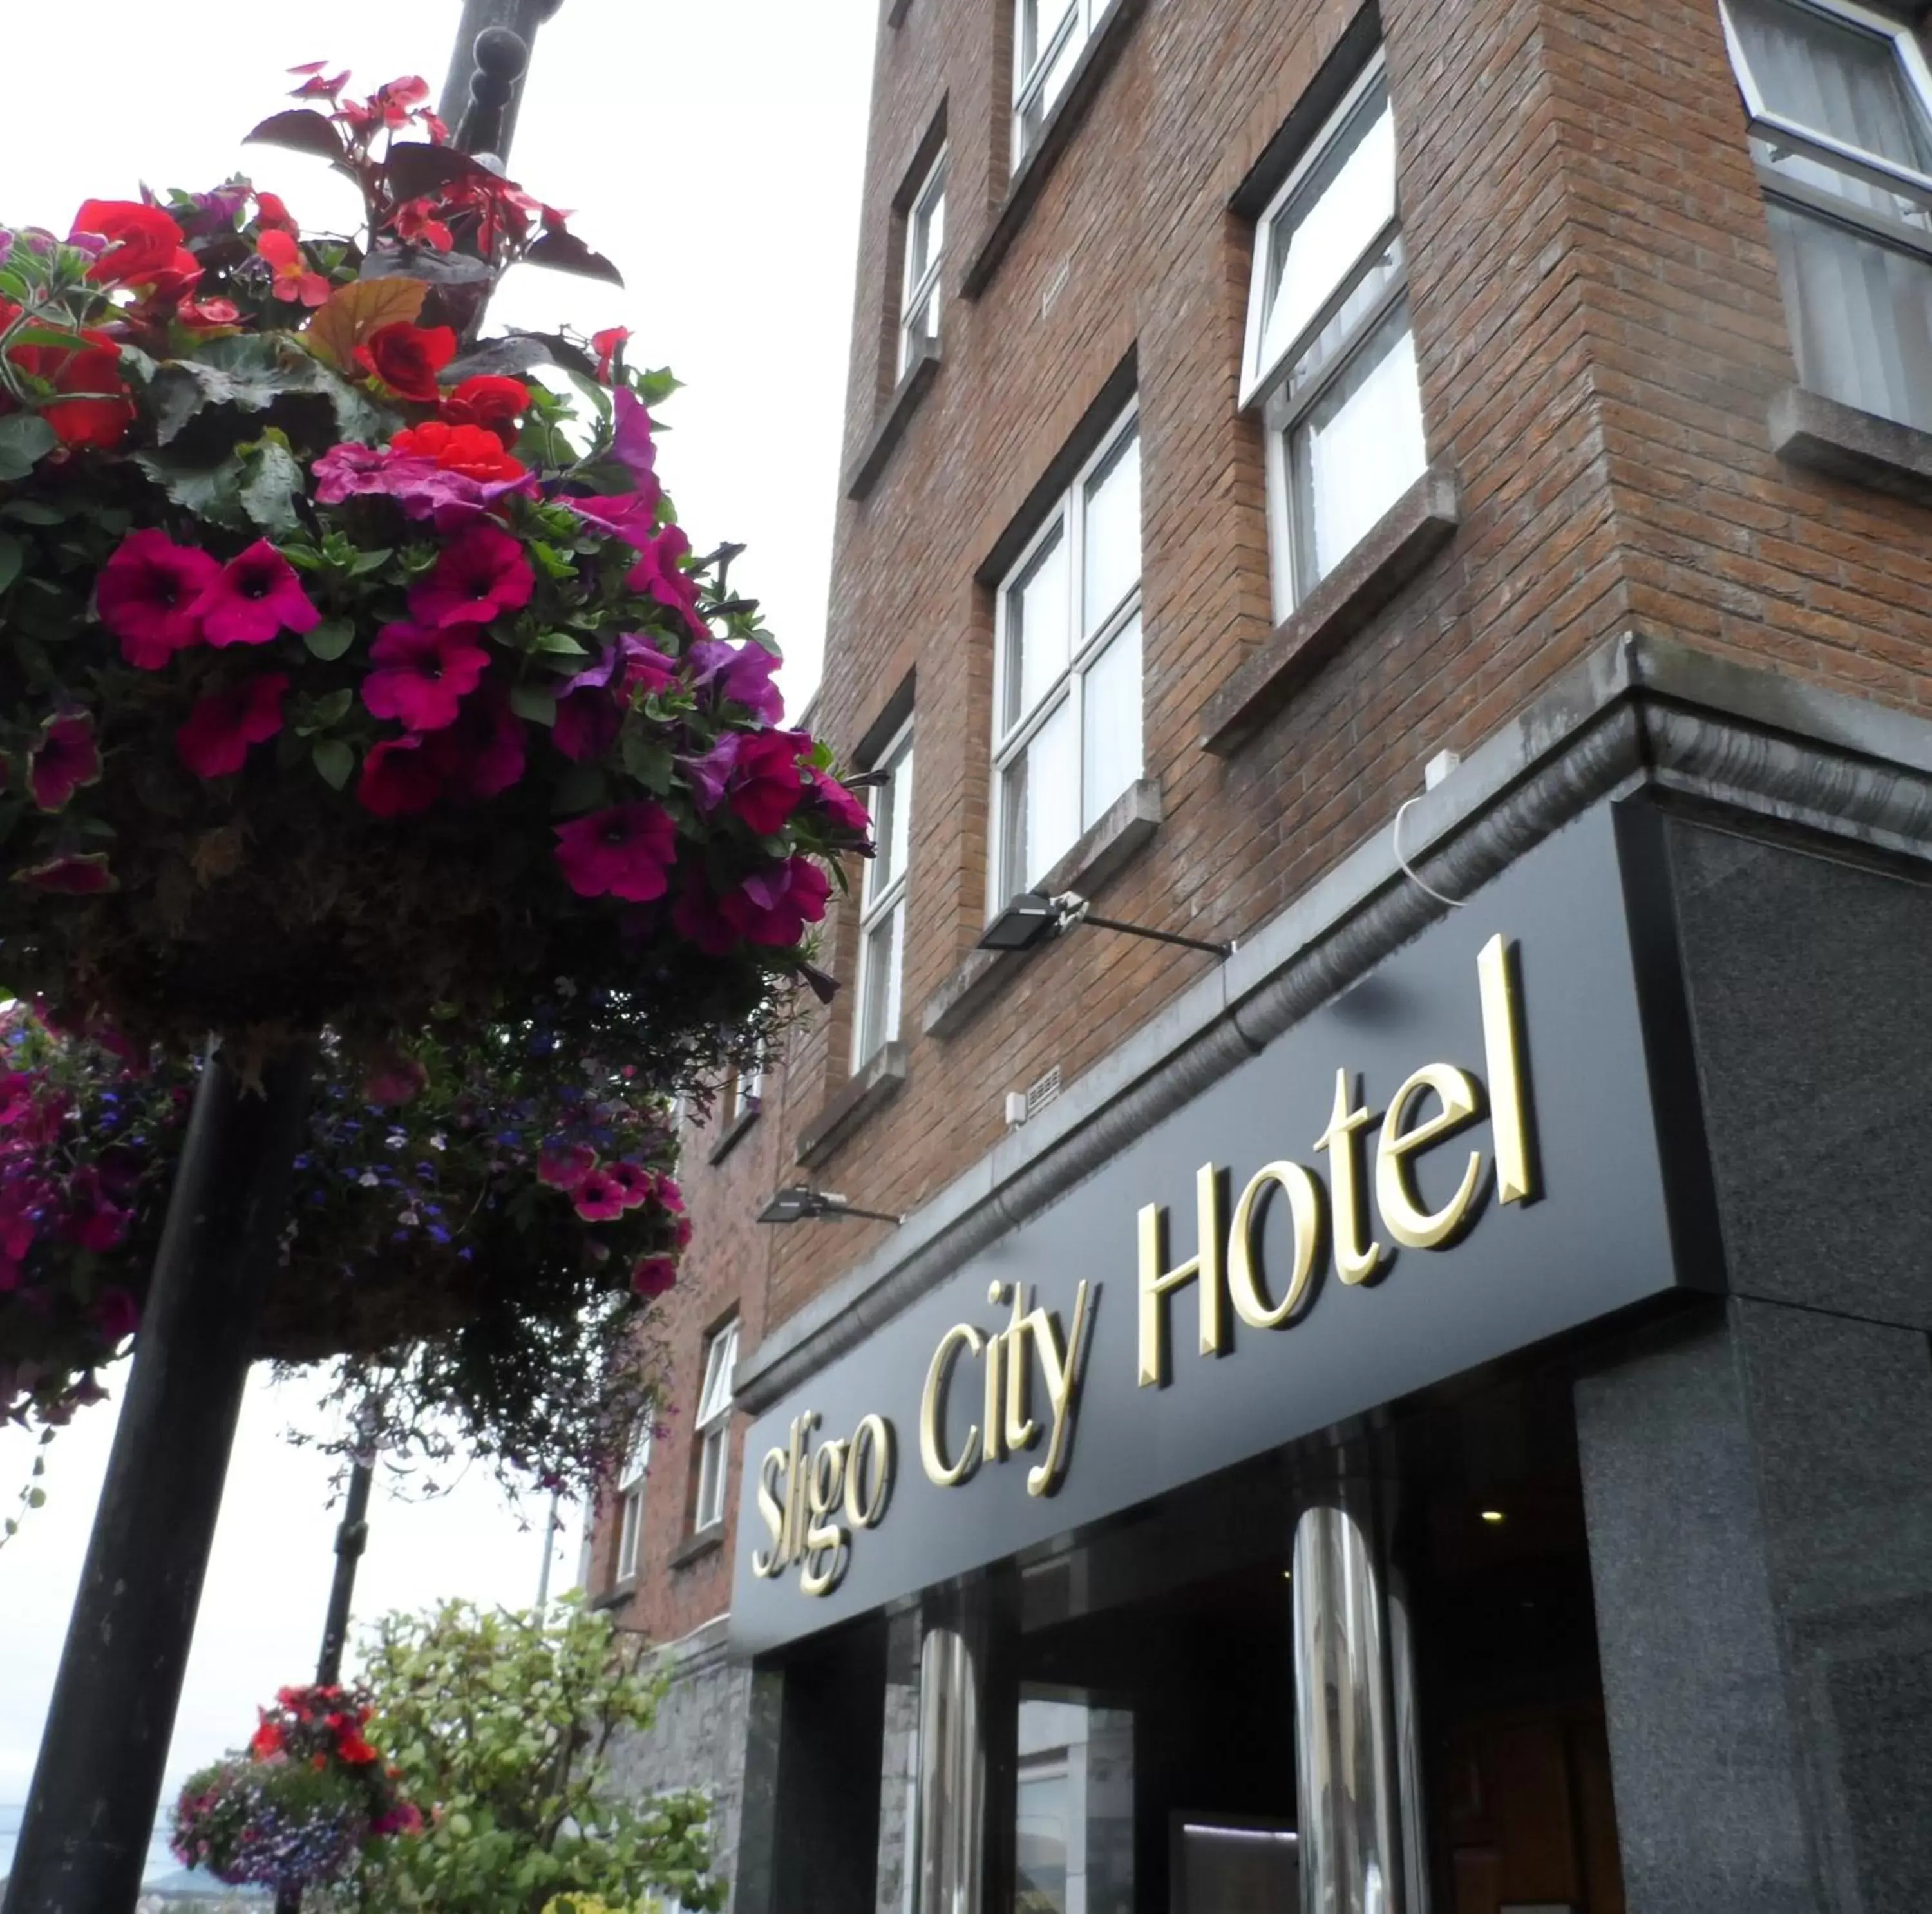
<point x="893" y="422"/>
<point x="707" y="1541"/>
<point x="1093" y="863"/>
<point x="870" y="1087"/>
<point x="896" y="12"/>
<point x="616" y="1597"/>
<point x="1409" y="535"/>
<point x="727" y="1137"/>
<point x="1821" y="435"/>
<point x="1089" y="71"/>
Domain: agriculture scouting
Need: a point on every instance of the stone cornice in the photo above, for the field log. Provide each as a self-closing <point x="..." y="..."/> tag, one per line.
<point x="1639" y="712"/>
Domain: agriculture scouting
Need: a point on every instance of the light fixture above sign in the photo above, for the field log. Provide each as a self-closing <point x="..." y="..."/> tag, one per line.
<point x="799" y="1202"/>
<point x="1033" y="918"/>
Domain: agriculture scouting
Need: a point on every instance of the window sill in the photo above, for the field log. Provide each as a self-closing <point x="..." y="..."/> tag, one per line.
<point x="1129" y="822"/>
<point x="707" y="1541"/>
<point x="892" y="423"/>
<point x="727" y="1138"/>
<point x="1809" y="430"/>
<point x="617" y="1595"/>
<point x="1089" y="71"/>
<point x="881" y="1078"/>
<point x="1409" y="534"/>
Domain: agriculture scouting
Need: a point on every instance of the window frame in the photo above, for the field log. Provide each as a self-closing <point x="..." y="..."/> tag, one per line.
<point x="631" y="1503"/>
<point x="1265" y="382"/>
<point x="913" y="294"/>
<point x="1066" y="513"/>
<point x="873" y="909"/>
<point x="711" y="1429"/>
<point x="747" y="1093"/>
<point x="1030" y="84"/>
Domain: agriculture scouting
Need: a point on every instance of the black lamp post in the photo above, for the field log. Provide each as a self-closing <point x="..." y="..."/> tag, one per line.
<point x="97" y="1778"/>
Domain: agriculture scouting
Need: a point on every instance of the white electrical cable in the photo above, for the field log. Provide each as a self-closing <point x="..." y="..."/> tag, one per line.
<point x="1408" y="869"/>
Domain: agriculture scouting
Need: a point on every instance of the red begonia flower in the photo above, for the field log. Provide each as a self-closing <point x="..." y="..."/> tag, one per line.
<point x="766" y="785"/>
<point x="146" y="594"/>
<point x="407" y="358"/>
<point x="482" y="573"/>
<point x="272" y="216"/>
<point x="350" y="1746"/>
<point x="214" y="741"/>
<point x="626" y="851"/>
<point x="209" y="315"/>
<point x="605" y="344"/>
<point x="91" y="367"/>
<point x="473" y="450"/>
<point x="423" y="673"/>
<point x="653" y="1276"/>
<point x="659" y="573"/>
<point x="267" y="1739"/>
<point x="487" y="401"/>
<point x="66" y="756"/>
<point x="296" y="281"/>
<point x="254" y="596"/>
<point x="147" y="244"/>
<point x="397" y="779"/>
<point x="78" y="876"/>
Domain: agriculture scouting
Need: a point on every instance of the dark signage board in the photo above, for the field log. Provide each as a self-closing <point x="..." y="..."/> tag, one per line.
<point x="1457" y="1158"/>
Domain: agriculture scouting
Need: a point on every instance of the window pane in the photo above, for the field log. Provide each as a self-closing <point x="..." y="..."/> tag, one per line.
<point x="627" y="1540"/>
<point x="1861" y="316"/>
<point x="1838" y="80"/>
<point x="1036" y="634"/>
<point x="720" y="1359"/>
<point x="1333" y="340"/>
<point x="1347" y="198"/>
<point x="711" y="1479"/>
<point x="1112" y="557"/>
<point x="884" y="957"/>
<point x="1041" y="803"/>
<point x="1111" y="735"/>
<point x="1358" y="450"/>
<point x="892" y="824"/>
<point x="1039" y="20"/>
<point x="1040" y="1842"/>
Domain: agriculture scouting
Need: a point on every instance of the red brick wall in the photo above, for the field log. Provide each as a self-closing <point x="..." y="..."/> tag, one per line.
<point x="1599" y="330"/>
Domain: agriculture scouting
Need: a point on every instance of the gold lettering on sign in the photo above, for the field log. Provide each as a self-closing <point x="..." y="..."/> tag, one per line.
<point x="801" y="1490"/>
<point x="1408" y="1222"/>
<point x="871" y="1455"/>
<point x="932" y="1410"/>
<point x="1355" y="1260"/>
<point x="1061" y="1368"/>
<point x="1203" y="1269"/>
<point x="1244" y="1286"/>
<point x="768" y="1563"/>
<point x="1502" y="1046"/>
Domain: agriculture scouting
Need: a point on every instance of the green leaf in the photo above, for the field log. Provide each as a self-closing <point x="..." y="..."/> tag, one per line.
<point x="212" y="493"/>
<point x="335" y="761"/>
<point x="13" y="555"/>
<point x="649" y="762"/>
<point x="31" y="511"/>
<point x="562" y="644"/>
<point x="37" y="1498"/>
<point x="535" y="702"/>
<point x="325" y="712"/>
<point x="369" y="561"/>
<point x="274" y="479"/>
<point x="25" y="438"/>
<point x="331" y="638"/>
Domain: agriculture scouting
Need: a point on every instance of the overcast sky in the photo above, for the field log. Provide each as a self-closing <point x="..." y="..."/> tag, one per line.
<point x="713" y="151"/>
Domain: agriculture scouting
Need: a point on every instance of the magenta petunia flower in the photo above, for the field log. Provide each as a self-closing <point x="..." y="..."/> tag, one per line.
<point x="634" y="1180"/>
<point x="398" y="779"/>
<point x="482" y="753"/>
<point x="80" y="875"/>
<point x="841" y="806"/>
<point x="423" y="673"/>
<point x="600" y="1197"/>
<point x="630" y="516"/>
<point x="587" y="724"/>
<point x="659" y="573"/>
<point x="774" y="905"/>
<point x="742" y="675"/>
<point x="255" y="596"/>
<point x="653" y="1276"/>
<point x="565" y="1166"/>
<point x="214" y="741"/>
<point x="68" y="756"/>
<point x="422" y="488"/>
<point x="632" y="445"/>
<point x="696" y="917"/>
<point x="708" y="776"/>
<point x="483" y="573"/>
<point x="116" y="1313"/>
<point x="146" y="595"/>
<point x="766" y="785"/>
<point x="626" y="851"/>
<point x="669" y="1194"/>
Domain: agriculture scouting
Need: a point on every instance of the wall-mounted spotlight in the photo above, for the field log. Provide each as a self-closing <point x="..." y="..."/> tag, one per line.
<point x="799" y="1202"/>
<point x="1033" y="918"/>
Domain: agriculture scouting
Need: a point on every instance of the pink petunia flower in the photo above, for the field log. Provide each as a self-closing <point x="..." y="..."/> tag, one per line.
<point x="482" y="753"/>
<point x="708" y="776"/>
<point x="766" y="785"/>
<point x="659" y="573"/>
<point x="600" y="1197"/>
<point x="398" y="779"/>
<point x="630" y="516"/>
<point x="669" y="1194"/>
<point x="587" y="724"/>
<point x="483" y="573"/>
<point x="214" y="741"/>
<point x="80" y="875"/>
<point x="66" y="756"/>
<point x="399" y="1080"/>
<point x="696" y="917"/>
<point x="565" y="1166"/>
<point x="741" y="674"/>
<point x="653" y="1276"/>
<point x="841" y="806"/>
<point x="146" y="595"/>
<point x="774" y="905"/>
<point x="632" y="445"/>
<point x="254" y="597"/>
<point x="626" y="851"/>
<point x="423" y="673"/>
<point x="634" y="1180"/>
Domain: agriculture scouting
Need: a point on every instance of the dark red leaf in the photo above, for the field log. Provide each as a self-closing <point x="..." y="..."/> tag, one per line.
<point x="568" y="254"/>
<point x="414" y="171"/>
<point x="304" y="131"/>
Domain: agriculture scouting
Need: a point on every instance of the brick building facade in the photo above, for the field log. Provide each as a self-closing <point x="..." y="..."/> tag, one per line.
<point x="1646" y="528"/>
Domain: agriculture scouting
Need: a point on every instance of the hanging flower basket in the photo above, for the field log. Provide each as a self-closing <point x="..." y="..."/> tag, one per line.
<point x="477" y="1235"/>
<point x="297" y="1808"/>
<point x="351" y="676"/>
